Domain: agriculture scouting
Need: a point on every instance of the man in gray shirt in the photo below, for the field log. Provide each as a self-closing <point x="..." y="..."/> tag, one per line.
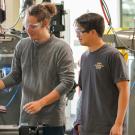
<point x="43" y="64"/>
<point x="103" y="80"/>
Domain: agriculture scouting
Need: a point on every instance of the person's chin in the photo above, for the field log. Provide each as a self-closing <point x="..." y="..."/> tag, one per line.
<point x="81" y="42"/>
<point x="33" y="38"/>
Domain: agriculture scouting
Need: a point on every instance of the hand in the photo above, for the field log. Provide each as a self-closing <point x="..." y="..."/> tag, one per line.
<point x="77" y="128"/>
<point x="116" y="130"/>
<point x="32" y="107"/>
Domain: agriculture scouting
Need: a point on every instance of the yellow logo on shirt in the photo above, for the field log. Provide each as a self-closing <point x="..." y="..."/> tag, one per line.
<point x="99" y="65"/>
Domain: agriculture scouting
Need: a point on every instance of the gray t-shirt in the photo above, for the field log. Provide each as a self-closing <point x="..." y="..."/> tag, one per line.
<point x="99" y="73"/>
<point x="41" y="68"/>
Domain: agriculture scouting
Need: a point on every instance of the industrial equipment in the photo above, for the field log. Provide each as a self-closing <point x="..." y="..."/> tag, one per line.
<point x="9" y="98"/>
<point x="123" y="39"/>
<point x="21" y="130"/>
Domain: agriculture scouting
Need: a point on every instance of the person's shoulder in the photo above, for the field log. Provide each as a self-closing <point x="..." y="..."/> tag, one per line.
<point x="23" y="44"/>
<point x="60" y="45"/>
<point x="59" y="41"/>
<point x="84" y="55"/>
<point x="24" y="41"/>
<point x="111" y="50"/>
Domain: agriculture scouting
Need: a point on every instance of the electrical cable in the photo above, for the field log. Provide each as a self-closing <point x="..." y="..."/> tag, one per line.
<point x="13" y="24"/>
<point x="26" y="3"/>
<point x="3" y="108"/>
<point x="105" y="12"/>
<point x="12" y="98"/>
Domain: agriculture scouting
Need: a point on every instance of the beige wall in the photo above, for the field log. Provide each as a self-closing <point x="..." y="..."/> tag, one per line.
<point x="12" y="14"/>
<point x="38" y="1"/>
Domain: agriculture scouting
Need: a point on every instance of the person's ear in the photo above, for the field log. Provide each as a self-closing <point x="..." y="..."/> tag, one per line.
<point x="93" y="32"/>
<point x="45" y="23"/>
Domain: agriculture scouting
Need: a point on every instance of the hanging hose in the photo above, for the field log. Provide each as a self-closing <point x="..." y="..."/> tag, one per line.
<point x="106" y="12"/>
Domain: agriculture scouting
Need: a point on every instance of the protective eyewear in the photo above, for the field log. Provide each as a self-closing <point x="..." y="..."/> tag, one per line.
<point x="33" y="26"/>
<point x="80" y="32"/>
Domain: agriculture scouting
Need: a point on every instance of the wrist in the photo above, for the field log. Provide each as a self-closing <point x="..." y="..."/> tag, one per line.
<point x="2" y="85"/>
<point x="41" y="102"/>
<point x="118" y="124"/>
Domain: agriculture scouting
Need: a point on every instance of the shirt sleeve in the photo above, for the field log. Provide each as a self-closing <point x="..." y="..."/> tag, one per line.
<point x="15" y="76"/>
<point x="65" y="69"/>
<point x="119" y="68"/>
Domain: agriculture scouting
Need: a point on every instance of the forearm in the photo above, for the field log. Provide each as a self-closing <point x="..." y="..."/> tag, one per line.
<point x="36" y="106"/>
<point x="2" y="85"/>
<point x="122" y="105"/>
<point x="50" y="98"/>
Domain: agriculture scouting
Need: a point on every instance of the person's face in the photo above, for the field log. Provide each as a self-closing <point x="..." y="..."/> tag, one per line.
<point x="33" y="27"/>
<point x="83" y="35"/>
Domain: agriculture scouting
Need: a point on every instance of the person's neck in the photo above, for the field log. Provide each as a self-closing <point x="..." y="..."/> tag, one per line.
<point x="96" y="45"/>
<point x="44" y="38"/>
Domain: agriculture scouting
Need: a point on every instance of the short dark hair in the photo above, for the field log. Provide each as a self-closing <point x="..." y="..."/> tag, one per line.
<point x="91" y="21"/>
